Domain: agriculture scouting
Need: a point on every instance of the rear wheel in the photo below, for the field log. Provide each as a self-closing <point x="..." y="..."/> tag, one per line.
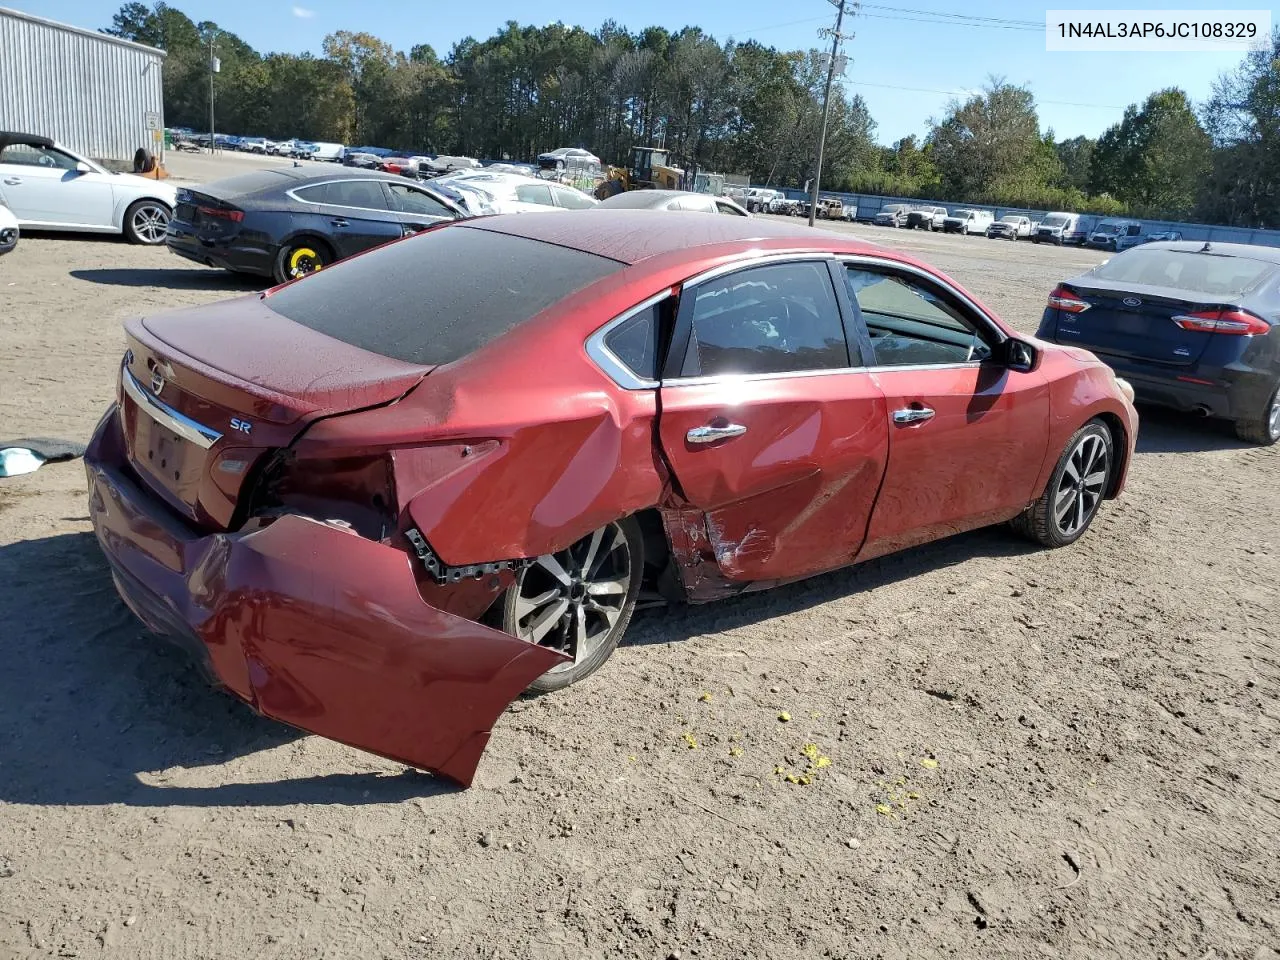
<point x="301" y="257"/>
<point x="578" y="601"/>
<point x="1264" y="429"/>
<point x="146" y="222"/>
<point x="1071" y="499"/>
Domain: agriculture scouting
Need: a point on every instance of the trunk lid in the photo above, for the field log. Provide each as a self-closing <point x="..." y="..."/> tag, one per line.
<point x="207" y="394"/>
<point x="1135" y="322"/>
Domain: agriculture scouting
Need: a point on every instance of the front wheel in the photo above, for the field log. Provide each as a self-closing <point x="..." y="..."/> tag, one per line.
<point x="578" y="601"/>
<point x="1264" y="429"/>
<point x="146" y="222"/>
<point x="300" y="258"/>
<point x="1075" y="491"/>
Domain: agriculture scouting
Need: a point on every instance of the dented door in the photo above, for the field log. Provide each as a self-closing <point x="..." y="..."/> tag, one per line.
<point x="771" y="428"/>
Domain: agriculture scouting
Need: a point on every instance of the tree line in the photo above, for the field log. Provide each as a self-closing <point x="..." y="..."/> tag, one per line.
<point x="732" y="107"/>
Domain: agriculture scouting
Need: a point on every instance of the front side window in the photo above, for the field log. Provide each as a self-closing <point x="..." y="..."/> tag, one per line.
<point x="911" y="323"/>
<point x="779" y="318"/>
<point x="406" y="199"/>
<point x="26" y="155"/>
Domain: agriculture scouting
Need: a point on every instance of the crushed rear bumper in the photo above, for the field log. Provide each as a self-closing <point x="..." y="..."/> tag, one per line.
<point x="311" y="624"/>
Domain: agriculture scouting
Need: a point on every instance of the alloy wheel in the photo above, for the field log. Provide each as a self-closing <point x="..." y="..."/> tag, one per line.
<point x="1273" y="418"/>
<point x="571" y="600"/>
<point x="1081" y="485"/>
<point x="150" y="223"/>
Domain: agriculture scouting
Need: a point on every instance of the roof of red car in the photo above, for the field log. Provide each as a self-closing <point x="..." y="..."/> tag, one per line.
<point x="630" y="236"/>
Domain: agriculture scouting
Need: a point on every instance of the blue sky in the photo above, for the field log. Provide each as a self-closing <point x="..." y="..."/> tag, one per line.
<point x="904" y="62"/>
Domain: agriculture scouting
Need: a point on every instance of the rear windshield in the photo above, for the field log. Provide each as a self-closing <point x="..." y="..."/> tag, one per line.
<point x="439" y="296"/>
<point x="1215" y="274"/>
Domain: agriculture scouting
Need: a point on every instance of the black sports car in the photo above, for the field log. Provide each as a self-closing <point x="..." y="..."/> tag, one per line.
<point x="286" y="222"/>
<point x="1190" y="325"/>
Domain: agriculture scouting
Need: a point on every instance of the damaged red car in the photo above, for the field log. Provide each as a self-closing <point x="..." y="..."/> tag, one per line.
<point x="381" y="502"/>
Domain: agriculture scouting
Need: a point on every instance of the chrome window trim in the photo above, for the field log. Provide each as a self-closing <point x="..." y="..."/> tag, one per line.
<point x="624" y="377"/>
<point x="608" y="361"/>
<point x="292" y="195"/>
<point x="192" y="430"/>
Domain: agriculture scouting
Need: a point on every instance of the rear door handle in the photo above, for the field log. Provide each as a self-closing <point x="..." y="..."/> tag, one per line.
<point x="338" y="222"/>
<point x="913" y="415"/>
<point x="712" y="433"/>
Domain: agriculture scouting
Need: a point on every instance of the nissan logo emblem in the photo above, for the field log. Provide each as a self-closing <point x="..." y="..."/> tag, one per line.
<point x="1132" y="302"/>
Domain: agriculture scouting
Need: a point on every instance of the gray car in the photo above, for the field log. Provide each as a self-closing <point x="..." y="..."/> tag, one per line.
<point x="672" y="200"/>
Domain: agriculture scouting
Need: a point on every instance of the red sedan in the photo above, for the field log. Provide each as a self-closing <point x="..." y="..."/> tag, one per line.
<point x="381" y="502"/>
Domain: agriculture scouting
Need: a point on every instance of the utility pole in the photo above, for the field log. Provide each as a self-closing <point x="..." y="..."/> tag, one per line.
<point x="836" y="37"/>
<point x="214" y="67"/>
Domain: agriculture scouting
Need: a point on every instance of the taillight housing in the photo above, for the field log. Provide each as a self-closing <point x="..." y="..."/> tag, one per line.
<point x="221" y="213"/>
<point x="1066" y="299"/>
<point x="1240" y="323"/>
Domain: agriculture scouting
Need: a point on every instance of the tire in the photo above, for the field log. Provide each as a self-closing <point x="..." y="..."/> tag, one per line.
<point x="1075" y="491"/>
<point x="1265" y="429"/>
<point x="299" y="257"/>
<point x="146" y="222"/>
<point x="558" y="588"/>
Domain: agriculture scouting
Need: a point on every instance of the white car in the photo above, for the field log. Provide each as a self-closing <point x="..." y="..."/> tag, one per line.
<point x="8" y="230"/>
<point x="47" y="187"/>
<point x="487" y="193"/>
<point x="966" y="221"/>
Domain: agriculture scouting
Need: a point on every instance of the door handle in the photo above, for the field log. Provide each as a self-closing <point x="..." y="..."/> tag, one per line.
<point x="13" y="181"/>
<point x="338" y="222"/>
<point x="710" y="433"/>
<point x="913" y="415"/>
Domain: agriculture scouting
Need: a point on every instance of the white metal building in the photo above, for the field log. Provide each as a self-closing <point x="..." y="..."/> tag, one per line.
<point x="97" y="94"/>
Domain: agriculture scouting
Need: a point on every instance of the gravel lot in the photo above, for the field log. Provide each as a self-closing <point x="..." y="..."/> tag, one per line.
<point x="1067" y="754"/>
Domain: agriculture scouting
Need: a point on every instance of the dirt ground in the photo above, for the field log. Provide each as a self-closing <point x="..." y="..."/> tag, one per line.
<point x="1032" y="754"/>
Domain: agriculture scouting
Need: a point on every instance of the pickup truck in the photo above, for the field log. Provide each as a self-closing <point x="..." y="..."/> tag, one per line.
<point x="927" y="218"/>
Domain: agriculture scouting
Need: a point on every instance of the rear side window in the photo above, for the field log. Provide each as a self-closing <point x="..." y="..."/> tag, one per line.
<point x="438" y="296"/>
<point x="638" y="340"/>
<point x="360" y="194"/>
<point x="780" y="318"/>
<point x="1223" y="276"/>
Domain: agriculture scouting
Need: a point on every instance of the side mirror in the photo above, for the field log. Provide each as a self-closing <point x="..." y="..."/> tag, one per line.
<point x="1020" y="356"/>
<point x="83" y="167"/>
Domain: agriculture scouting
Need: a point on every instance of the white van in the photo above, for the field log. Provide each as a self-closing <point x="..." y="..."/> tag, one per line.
<point x="333" y="152"/>
<point x="968" y="221"/>
<point x="1060" y="228"/>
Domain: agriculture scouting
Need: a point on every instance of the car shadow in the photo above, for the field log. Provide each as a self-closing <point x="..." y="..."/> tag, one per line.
<point x="201" y="278"/>
<point x="97" y="710"/>
<point x="1171" y="431"/>
<point x="676" y="623"/>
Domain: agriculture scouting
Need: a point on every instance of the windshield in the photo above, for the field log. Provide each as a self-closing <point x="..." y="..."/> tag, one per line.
<point x="893" y="208"/>
<point x="432" y="299"/>
<point x="1108" y="227"/>
<point x="1013" y="220"/>
<point x="1054" y="220"/>
<point x="1222" y="276"/>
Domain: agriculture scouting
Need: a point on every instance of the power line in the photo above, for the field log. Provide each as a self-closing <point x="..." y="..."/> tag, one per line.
<point x="1039" y="28"/>
<point x="1036" y="24"/>
<point x="956" y="93"/>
